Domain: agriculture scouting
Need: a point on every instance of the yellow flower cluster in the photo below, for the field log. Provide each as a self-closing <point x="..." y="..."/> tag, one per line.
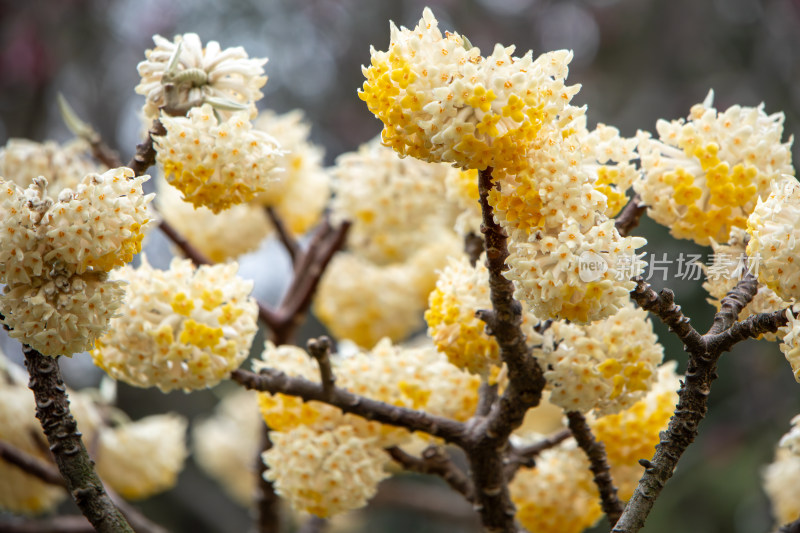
<point x="632" y="434"/>
<point x="325" y="472"/>
<point x="179" y="329"/>
<point x="440" y="100"/>
<point x="780" y="477"/>
<point x="558" y="495"/>
<point x="142" y="458"/>
<point x="64" y="166"/>
<point x="729" y="266"/>
<point x="225" y="443"/>
<point x="607" y="365"/>
<point x="401" y="235"/>
<point x="216" y="163"/>
<point x="452" y="324"/>
<point x="199" y="72"/>
<point x="301" y="194"/>
<point x="54" y="256"/>
<point x="703" y="176"/>
<point x="775" y="238"/>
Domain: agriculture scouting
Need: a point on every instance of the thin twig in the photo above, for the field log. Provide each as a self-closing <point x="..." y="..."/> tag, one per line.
<point x="320" y="350"/>
<point x="274" y="381"/>
<point x="267" y="501"/>
<point x="596" y="453"/>
<point x="286" y="238"/>
<point x="61" y="430"/>
<point x="630" y="215"/>
<point x="473" y="247"/>
<point x="487" y="396"/>
<point x="526" y="455"/>
<point x="31" y="464"/>
<point x="436" y="462"/>
<point x="145" y="155"/>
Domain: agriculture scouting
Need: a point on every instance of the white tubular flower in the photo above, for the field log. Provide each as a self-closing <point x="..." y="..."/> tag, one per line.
<point x="216" y="164"/>
<point x="729" y="266"/>
<point x="225" y="444"/>
<point x="774" y="228"/>
<point x="607" y="365"/>
<point x="97" y="226"/>
<point x="64" y="166"/>
<point x="780" y="477"/>
<point x="394" y="204"/>
<point x="790" y="345"/>
<point x="199" y="73"/>
<point x="221" y="236"/>
<point x="574" y="275"/>
<point x="303" y="190"/>
<point x="703" y="176"/>
<point x="142" y="458"/>
<point x="441" y="101"/>
<point x="181" y="328"/>
<point x="558" y="495"/>
<point x="608" y="157"/>
<point x="325" y="472"/>
<point x="61" y="314"/>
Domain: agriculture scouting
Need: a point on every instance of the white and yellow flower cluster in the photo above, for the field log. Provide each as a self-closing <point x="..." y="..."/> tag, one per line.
<point x="419" y="378"/>
<point x="401" y="234"/>
<point x="780" y="477"/>
<point x="216" y="163"/>
<point x="198" y="73"/>
<point x="55" y="255"/>
<point x="703" y="176"/>
<point x="774" y="228"/>
<point x="605" y="366"/>
<point x="183" y="328"/>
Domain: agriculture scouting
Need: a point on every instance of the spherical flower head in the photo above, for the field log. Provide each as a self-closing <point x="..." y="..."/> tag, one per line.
<point x="607" y="365"/>
<point x="790" y="335"/>
<point x="703" y="176"/>
<point x="198" y="73"/>
<point x="301" y="194"/>
<point x="440" y="100"/>
<point x="214" y="163"/>
<point x="225" y="443"/>
<point x="222" y="236"/>
<point x="143" y="458"/>
<point x="558" y="495"/>
<point x="575" y="275"/>
<point x="729" y="266"/>
<point x="364" y="302"/>
<point x="633" y="433"/>
<point x="780" y="477"/>
<point x="394" y="204"/>
<point x="325" y="472"/>
<point x="61" y="313"/>
<point x="456" y="331"/>
<point x="183" y="328"/>
<point x="774" y="228"/>
<point x="64" y="166"/>
<point x="97" y="226"/>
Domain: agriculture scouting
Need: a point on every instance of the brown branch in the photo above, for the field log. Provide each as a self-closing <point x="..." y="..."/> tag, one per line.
<point x="749" y="328"/>
<point x="436" y="462"/>
<point x="267" y="502"/>
<point x="31" y="464"/>
<point x="596" y="452"/>
<point x="630" y="215"/>
<point x="286" y="238"/>
<point x="275" y="381"/>
<point x="56" y="524"/>
<point x="487" y="396"/>
<point x="61" y="430"/>
<point x="145" y="156"/>
<point x="526" y="455"/>
<point x="704" y="353"/>
<point x="473" y="247"/>
<point x="320" y="350"/>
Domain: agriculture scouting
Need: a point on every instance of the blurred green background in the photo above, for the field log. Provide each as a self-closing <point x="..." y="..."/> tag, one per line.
<point x="637" y="60"/>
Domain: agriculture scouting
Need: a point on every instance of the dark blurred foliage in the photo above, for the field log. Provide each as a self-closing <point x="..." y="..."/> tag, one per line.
<point x="638" y="61"/>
